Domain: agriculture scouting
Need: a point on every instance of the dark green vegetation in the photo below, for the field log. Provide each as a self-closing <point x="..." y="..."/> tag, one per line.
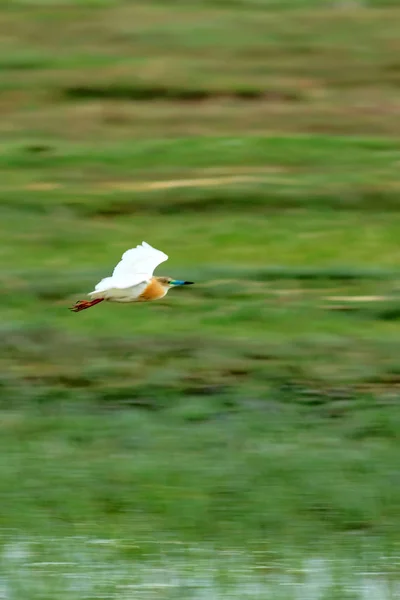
<point x="257" y="144"/>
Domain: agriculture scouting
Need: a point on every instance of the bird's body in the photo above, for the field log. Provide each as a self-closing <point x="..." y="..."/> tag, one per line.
<point x="142" y="292"/>
<point x="132" y="279"/>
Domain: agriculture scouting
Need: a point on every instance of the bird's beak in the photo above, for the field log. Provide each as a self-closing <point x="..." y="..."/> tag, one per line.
<point x="179" y="282"/>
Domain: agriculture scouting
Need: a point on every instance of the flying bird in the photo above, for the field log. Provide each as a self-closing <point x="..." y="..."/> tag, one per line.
<point x="132" y="279"/>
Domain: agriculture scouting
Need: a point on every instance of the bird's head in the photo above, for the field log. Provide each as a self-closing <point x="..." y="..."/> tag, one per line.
<point x="168" y="282"/>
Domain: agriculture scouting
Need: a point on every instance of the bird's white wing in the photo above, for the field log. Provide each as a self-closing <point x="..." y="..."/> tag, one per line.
<point x="137" y="265"/>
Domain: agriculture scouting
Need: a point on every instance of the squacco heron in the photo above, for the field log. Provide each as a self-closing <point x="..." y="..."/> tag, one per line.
<point x="132" y="279"/>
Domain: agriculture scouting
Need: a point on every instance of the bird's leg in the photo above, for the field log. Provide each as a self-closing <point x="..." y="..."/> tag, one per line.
<point x="82" y="304"/>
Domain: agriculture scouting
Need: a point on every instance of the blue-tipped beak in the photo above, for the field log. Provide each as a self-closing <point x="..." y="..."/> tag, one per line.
<point x="179" y="282"/>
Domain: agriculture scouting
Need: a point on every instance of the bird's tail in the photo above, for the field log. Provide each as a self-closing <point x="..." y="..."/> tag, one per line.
<point x="82" y="304"/>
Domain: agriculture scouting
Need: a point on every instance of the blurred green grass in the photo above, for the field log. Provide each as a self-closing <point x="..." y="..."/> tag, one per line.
<point x="260" y="405"/>
<point x="113" y="70"/>
<point x="256" y="349"/>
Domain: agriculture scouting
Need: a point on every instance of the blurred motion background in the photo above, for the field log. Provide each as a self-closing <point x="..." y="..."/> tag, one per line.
<point x="239" y="439"/>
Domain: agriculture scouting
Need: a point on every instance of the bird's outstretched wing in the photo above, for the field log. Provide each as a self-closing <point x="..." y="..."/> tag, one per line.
<point x="136" y="266"/>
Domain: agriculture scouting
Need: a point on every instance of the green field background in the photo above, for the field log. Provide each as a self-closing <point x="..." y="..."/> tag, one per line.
<point x="239" y="438"/>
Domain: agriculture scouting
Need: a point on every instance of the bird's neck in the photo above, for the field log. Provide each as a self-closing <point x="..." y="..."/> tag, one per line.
<point x="154" y="290"/>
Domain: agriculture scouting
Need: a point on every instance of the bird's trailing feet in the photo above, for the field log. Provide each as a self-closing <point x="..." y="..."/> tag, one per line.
<point x="83" y="304"/>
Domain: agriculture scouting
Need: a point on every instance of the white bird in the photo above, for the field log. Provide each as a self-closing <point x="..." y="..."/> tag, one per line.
<point x="132" y="279"/>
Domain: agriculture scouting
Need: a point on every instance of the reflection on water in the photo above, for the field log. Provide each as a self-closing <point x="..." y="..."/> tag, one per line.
<point x="79" y="568"/>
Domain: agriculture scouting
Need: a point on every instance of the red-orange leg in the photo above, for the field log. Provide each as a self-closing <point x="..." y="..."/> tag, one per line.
<point x="83" y="304"/>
